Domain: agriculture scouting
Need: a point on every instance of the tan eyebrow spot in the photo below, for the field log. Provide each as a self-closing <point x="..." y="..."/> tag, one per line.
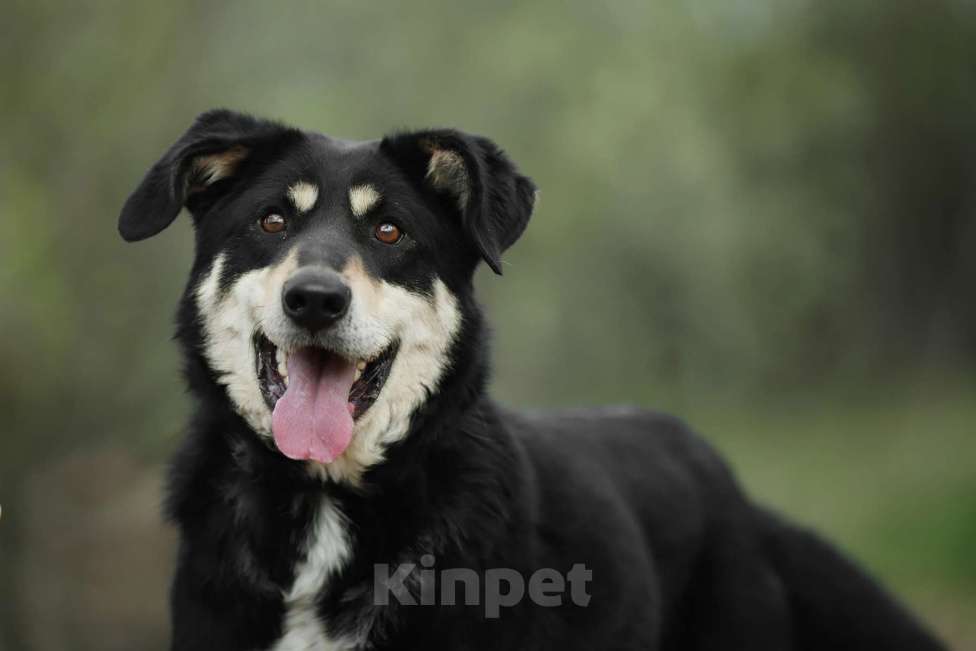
<point x="362" y="198"/>
<point x="303" y="196"/>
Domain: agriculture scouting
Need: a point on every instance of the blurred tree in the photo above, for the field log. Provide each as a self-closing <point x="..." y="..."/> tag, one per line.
<point x="914" y="60"/>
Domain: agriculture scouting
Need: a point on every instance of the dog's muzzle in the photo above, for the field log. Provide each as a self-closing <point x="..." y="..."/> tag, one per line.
<point x="315" y="391"/>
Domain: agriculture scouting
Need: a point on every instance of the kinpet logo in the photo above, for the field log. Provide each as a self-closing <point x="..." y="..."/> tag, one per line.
<point x="494" y="588"/>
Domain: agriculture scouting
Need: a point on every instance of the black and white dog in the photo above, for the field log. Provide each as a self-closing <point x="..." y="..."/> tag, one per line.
<point x="347" y="483"/>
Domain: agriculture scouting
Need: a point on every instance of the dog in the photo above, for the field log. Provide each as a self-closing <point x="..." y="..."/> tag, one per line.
<point x="347" y="482"/>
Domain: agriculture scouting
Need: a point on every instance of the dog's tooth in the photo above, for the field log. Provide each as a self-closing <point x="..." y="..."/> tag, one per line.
<point x="282" y="363"/>
<point x="284" y="378"/>
<point x="361" y="365"/>
<point x="359" y="373"/>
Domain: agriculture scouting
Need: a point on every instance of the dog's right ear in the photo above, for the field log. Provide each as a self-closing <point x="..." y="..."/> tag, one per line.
<point x="193" y="171"/>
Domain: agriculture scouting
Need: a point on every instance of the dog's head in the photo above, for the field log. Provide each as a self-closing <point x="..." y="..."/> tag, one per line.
<point x="330" y="276"/>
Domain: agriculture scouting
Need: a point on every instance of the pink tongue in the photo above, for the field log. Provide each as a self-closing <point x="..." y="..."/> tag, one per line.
<point x="313" y="420"/>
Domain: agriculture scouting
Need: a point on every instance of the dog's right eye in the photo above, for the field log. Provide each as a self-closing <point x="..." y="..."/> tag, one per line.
<point x="273" y="223"/>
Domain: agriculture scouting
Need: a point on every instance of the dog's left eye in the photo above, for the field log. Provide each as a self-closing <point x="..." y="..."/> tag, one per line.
<point x="388" y="233"/>
<point x="273" y="223"/>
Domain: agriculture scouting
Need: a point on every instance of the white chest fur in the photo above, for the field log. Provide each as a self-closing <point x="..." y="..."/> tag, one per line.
<point x="327" y="549"/>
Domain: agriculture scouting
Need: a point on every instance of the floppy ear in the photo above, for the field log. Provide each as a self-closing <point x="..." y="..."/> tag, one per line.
<point x="213" y="149"/>
<point x="494" y="201"/>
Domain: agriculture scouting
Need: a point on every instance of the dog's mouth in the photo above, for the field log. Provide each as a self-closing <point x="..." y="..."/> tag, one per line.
<point x="315" y="395"/>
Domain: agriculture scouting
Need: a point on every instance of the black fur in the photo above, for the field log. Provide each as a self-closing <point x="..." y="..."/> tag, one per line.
<point x="680" y="558"/>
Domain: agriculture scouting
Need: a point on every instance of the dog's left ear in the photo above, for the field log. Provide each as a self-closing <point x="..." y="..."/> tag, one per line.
<point x="494" y="201"/>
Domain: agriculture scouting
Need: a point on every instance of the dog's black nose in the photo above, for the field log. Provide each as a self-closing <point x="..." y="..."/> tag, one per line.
<point x="315" y="298"/>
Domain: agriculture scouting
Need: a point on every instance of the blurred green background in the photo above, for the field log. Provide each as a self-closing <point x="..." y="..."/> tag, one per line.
<point x="758" y="215"/>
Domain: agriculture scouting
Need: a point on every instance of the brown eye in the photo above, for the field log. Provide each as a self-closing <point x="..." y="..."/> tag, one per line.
<point x="388" y="233"/>
<point x="273" y="223"/>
